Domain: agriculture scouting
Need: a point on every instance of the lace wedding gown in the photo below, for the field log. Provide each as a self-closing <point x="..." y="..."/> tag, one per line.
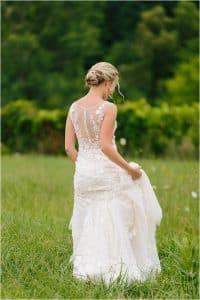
<point x="114" y="217"/>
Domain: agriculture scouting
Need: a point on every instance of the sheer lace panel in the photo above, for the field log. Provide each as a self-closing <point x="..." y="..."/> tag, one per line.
<point x="87" y="123"/>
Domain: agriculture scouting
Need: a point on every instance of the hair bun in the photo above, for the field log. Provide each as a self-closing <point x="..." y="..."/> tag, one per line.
<point x="100" y="72"/>
<point x="94" y="77"/>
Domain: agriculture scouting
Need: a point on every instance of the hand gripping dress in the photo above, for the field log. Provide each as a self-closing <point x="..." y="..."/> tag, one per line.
<point x="114" y="217"/>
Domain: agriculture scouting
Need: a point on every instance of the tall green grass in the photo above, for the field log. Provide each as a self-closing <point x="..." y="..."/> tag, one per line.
<point x="36" y="206"/>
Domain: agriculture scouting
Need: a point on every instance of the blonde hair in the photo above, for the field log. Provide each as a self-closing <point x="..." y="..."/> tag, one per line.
<point x="101" y="72"/>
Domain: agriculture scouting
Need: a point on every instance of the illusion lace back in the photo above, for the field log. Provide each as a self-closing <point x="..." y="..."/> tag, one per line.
<point x="114" y="217"/>
<point x="87" y="122"/>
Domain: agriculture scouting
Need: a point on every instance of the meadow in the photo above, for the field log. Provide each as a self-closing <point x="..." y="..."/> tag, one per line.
<point x="36" y="207"/>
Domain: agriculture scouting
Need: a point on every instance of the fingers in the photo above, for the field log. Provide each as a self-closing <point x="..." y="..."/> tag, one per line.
<point x="137" y="175"/>
<point x="137" y="172"/>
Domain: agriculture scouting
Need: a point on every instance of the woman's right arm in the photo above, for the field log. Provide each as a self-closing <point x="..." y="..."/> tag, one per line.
<point x="107" y="148"/>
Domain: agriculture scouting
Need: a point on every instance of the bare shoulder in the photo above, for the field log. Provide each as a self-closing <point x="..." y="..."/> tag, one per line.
<point x="72" y="104"/>
<point x="111" y="108"/>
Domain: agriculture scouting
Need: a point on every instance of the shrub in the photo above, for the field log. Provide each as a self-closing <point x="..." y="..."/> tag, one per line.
<point x="147" y="130"/>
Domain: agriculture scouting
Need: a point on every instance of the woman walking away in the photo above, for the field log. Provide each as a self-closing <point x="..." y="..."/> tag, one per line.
<point x="115" y="211"/>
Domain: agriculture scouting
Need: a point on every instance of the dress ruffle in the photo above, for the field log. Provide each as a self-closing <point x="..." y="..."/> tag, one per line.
<point x="114" y="234"/>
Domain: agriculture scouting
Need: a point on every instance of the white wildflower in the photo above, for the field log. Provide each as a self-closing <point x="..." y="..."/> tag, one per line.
<point x="122" y="141"/>
<point x="194" y="194"/>
<point x="187" y="209"/>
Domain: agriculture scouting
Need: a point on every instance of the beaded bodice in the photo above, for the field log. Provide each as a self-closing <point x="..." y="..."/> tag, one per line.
<point x="87" y="123"/>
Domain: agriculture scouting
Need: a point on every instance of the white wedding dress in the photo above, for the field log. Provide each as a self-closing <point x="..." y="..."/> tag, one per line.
<point x="114" y="217"/>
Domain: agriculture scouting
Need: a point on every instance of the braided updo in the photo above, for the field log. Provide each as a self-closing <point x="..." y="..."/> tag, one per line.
<point x="99" y="73"/>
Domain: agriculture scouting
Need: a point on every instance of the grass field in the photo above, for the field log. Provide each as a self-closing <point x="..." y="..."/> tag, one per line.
<point x="36" y="206"/>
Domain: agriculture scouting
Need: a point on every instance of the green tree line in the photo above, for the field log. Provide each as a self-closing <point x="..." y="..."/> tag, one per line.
<point x="48" y="46"/>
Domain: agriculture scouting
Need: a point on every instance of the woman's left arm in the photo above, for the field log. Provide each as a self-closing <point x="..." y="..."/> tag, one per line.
<point x="70" y="139"/>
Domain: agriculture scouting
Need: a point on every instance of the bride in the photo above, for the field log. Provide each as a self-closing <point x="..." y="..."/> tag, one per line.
<point x="115" y="211"/>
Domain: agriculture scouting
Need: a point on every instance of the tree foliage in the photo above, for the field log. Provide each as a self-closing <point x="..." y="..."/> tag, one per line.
<point x="47" y="47"/>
